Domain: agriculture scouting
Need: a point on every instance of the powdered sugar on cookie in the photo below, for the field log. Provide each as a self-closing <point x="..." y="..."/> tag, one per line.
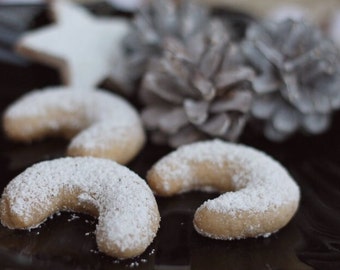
<point x="127" y="212"/>
<point x="253" y="186"/>
<point x="105" y="124"/>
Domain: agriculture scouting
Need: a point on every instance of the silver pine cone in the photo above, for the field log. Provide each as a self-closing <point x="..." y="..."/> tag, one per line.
<point x="297" y="84"/>
<point x="197" y="89"/>
<point x="152" y="24"/>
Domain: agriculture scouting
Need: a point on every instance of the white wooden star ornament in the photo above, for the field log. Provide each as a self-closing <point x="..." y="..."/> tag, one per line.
<point x="83" y="47"/>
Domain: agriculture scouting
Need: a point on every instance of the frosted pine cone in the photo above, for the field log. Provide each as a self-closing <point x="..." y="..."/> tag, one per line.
<point x="197" y="90"/>
<point x="153" y="23"/>
<point x="297" y="83"/>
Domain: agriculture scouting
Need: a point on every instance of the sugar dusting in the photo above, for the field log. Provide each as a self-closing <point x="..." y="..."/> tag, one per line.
<point x="260" y="183"/>
<point x="125" y="203"/>
<point x="100" y="116"/>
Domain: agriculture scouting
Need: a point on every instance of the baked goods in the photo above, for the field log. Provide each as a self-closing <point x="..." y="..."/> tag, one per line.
<point x="105" y="125"/>
<point x="259" y="197"/>
<point x="84" y="48"/>
<point x="128" y="216"/>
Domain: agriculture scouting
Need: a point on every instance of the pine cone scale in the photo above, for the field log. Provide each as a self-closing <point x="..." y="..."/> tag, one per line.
<point x="212" y="59"/>
<point x="172" y="121"/>
<point x="203" y="87"/>
<point x="186" y="135"/>
<point x="196" y="111"/>
<point x="315" y="123"/>
<point x="149" y="118"/>
<point x="232" y="77"/>
<point x="152" y="82"/>
<point x="237" y="100"/>
<point x="272" y="55"/>
<point x="264" y="107"/>
<point x="217" y="125"/>
<point x="285" y="120"/>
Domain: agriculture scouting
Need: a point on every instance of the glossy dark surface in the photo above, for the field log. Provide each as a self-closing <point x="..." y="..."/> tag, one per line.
<point x="310" y="241"/>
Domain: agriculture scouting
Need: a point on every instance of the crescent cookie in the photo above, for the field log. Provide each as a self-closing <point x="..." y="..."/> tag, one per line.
<point x="127" y="212"/>
<point x="258" y="195"/>
<point x="104" y="124"/>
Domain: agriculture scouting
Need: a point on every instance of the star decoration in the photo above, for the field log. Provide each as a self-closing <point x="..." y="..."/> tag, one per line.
<point x="83" y="47"/>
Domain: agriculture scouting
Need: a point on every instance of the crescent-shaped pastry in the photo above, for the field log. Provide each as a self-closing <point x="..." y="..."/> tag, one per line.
<point x="127" y="212"/>
<point x="258" y="195"/>
<point x="104" y="125"/>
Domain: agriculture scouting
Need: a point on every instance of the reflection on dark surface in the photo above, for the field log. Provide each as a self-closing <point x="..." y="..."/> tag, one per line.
<point x="311" y="240"/>
<point x="320" y="217"/>
<point x="67" y="241"/>
<point x="183" y="246"/>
